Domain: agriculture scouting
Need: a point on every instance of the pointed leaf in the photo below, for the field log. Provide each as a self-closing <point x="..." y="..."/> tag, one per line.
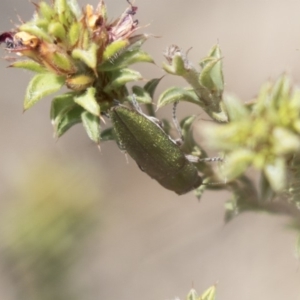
<point x="75" y="8"/>
<point x="67" y="119"/>
<point x="74" y="33"/>
<point x="60" y="6"/>
<point x="211" y="76"/>
<point x="125" y="59"/>
<point x="91" y="124"/>
<point x="89" y="57"/>
<point x="45" y="10"/>
<point x="61" y="104"/>
<point x="108" y="135"/>
<point x="151" y="86"/>
<point x="192" y="295"/>
<point x="88" y="101"/>
<point x="266" y="192"/>
<point x="177" y="65"/>
<point x="215" y="51"/>
<point x="276" y="174"/>
<point x="186" y="125"/>
<point x="235" y="109"/>
<point x="62" y="62"/>
<point x="137" y="41"/>
<point x="189" y="144"/>
<point x="64" y="113"/>
<point x="113" y="50"/>
<point x="28" y="65"/>
<point x="57" y="30"/>
<point x="175" y="94"/>
<point x="40" y="86"/>
<point x="141" y="95"/>
<point x="121" y="77"/>
<point x="285" y="141"/>
<point x="205" y="61"/>
<point x="199" y="191"/>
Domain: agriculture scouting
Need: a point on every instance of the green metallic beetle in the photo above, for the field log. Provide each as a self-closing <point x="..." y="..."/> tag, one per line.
<point x="153" y="150"/>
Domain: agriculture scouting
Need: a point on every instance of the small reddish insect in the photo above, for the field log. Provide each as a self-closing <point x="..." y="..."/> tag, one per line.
<point x="8" y="39"/>
<point x="19" y="41"/>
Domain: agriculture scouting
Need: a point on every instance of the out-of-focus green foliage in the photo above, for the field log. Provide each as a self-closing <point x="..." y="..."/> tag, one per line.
<point x="43" y="230"/>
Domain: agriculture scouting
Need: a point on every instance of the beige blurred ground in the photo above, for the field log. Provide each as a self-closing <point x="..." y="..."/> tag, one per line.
<point x="153" y="244"/>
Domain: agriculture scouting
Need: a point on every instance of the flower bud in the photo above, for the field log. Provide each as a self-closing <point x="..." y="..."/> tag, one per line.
<point x="80" y="82"/>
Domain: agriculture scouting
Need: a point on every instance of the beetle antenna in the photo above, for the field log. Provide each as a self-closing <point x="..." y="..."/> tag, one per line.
<point x="136" y="104"/>
<point x="211" y="159"/>
<point x="196" y="159"/>
<point x="214" y="183"/>
<point x="175" y="121"/>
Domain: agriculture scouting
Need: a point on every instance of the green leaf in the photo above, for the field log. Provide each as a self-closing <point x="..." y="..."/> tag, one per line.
<point x="285" y="141"/>
<point x="141" y="95"/>
<point x="91" y="124"/>
<point x="28" y="65"/>
<point x="125" y="59"/>
<point x="137" y="41"/>
<point x="199" y="191"/>
<point x="114" y="49"/>
<point x="74" y="33"/>
<point x="108" y="135"/>
<point x="35" y="30"/>
<point x="61" y="104"/>
<point x="75" y="8"/>
<point x="189" y="143"/>
<point x="60" y="6"/>
<point x="121" y="77"/>
<point x="64" y="113"/>
<point x="67" y="119"/>
<point x="192" y="295"/>
<point x="45" y="10"/>
<point x="89" y="57"/>
<point x="266" y="192"/>
<point x="211" y="76"/>
<point x="40" y="86"/>
<point x="235" y="109"/>
<point x="281" y="91"/>
<point x="88" y="101"/>
<point x="177" y="66"/>
<point x="276" y="174"/>
<point x="57" y="30"/>
<point x="151" y="86"/>
<point x="175" y="94"/>
<point x="62" y="62"/>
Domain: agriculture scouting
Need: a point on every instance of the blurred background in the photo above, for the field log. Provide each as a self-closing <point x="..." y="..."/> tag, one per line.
<point x="76" y="223"/>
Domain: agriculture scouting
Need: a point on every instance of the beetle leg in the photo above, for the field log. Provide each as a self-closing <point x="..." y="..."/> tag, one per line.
<point x="176" y="124"/>
<point x="136" y="104"/>
<point x="211" y="159"/>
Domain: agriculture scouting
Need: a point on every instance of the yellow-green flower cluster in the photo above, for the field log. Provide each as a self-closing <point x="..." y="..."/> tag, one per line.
<point x="83" y="50"/>
<point x="263" y="133"/>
